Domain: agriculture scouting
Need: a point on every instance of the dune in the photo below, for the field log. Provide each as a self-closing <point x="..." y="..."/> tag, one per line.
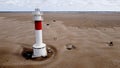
<point x="80" y="40"/>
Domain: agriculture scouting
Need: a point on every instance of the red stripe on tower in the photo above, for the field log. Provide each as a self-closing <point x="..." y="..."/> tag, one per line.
<point x="38" y="25"/>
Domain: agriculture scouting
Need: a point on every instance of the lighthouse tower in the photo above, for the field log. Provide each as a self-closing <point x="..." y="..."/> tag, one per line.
<point x="39" y="48"/>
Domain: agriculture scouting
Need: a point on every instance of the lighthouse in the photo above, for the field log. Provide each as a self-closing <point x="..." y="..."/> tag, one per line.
<point x="39" y="48"/>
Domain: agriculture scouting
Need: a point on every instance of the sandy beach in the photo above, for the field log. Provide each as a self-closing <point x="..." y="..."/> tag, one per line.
<point x="89" y="33"/>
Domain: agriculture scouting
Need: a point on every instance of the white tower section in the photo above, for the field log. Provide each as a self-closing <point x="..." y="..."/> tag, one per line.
<point x="39" y="48"/>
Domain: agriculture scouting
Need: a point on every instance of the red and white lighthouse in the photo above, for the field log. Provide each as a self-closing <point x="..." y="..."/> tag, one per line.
<point x="39" y="48"/>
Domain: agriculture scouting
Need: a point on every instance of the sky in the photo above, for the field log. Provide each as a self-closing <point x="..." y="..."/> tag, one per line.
<point x="60" y="5"/>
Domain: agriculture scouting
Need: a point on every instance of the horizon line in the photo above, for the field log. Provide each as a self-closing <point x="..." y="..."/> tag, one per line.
<point x="55" y="11"/>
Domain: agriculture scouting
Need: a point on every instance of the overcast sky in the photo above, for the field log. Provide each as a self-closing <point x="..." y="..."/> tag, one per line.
<point x="60" y="5"/>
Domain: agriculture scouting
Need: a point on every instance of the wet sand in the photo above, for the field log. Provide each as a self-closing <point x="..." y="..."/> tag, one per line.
<point x="88" y="32"/>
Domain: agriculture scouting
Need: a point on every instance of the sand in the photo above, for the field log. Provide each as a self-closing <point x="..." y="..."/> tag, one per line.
<point x="88" y="32"/>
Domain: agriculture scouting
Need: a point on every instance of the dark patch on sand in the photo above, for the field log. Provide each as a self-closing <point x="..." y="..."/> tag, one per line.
<point x="27" y="53"/>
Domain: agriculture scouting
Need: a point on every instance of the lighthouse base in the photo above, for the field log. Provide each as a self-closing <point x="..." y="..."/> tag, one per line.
<point x="39" y="50"/>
